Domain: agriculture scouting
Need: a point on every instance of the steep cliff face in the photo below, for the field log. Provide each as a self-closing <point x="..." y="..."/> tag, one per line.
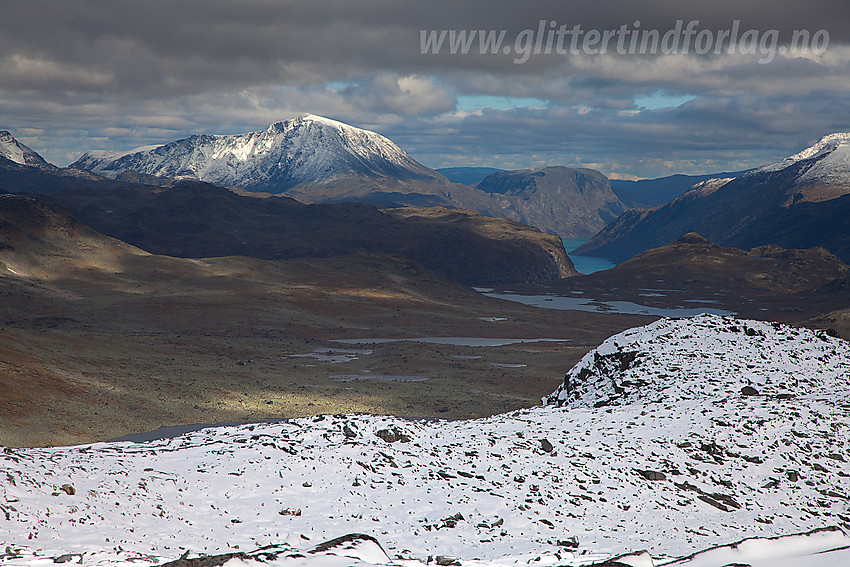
<point x="565" y="201"/>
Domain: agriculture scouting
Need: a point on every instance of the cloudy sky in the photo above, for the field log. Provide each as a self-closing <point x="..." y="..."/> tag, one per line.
<point x="115" y="75"/>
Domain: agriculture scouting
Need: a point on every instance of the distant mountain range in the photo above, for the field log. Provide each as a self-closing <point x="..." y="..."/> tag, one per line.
<point x="466" y="175"/>
<point x="654" y="192"/>
<point x="195" y="219"/>
<point x="802" y="201"/>
<point x="799" y="202"/>
<point x="319" y="160"/>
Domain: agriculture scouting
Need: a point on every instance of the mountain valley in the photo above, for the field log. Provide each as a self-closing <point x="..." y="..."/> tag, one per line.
<point x="339" y="337"/>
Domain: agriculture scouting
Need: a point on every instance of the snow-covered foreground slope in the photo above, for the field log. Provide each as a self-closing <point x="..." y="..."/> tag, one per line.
<point x="672" y="474"/>
<point x="707" y="358"/>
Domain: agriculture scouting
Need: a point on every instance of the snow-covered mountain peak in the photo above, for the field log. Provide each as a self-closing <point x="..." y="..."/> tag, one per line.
<point x="13" y="150"/>
<point x="307" y="149"/>
<point x="308" y="117"/>
<point x="831" y="157"/>
<point x="708" y="357"/>
<point x="827" y="144"/>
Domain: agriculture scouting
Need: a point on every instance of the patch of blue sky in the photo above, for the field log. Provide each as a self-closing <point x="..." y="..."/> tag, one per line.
<point x="474" y="102"/>
<point x="661" y="99"/>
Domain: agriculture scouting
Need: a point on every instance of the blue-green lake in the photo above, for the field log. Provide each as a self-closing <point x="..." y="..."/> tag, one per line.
<point x="585" y="264"/>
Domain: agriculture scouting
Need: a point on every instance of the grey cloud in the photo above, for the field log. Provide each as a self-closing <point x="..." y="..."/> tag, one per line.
<point x="120" y="74"/>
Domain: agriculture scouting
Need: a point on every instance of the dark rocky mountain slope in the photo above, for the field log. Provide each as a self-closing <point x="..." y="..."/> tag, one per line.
<point x="194" y="219"/>
<point x="800" y="202"/>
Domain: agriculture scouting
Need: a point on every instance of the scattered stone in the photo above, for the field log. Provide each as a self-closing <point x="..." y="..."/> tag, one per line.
<point x="348" y="538"/>
<point x="571" y="542"/>
<point x="546" y="445"/>
<point x="68" y="489"/>
<point x="709" y="500"/>
<point x="651" y="475"/>
<point x="445" y="560"/>
<point x="793" y="476"/>
<point x="348" y="432"/>
<point x="452" y="521"/>
<point x="749" y="391"/>
<point x="206" y="561"/>
<point x="393" y="435"/>
<point x="68" y="557"/>
<point x="290" y="512"/>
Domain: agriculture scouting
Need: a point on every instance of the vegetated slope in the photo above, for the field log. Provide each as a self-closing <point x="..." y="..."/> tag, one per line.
<point x="99" y="338"/>
<point x="40" y="240"/>
<point x="800" y="202"/>
<point x="672" y="437"/>
<point x="766" y="281"/>
<point x="196" y="220"/>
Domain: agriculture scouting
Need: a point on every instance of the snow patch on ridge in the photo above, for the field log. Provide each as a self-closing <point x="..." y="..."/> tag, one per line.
<point x="833" y="167"/>
<point x="13" y="150"/>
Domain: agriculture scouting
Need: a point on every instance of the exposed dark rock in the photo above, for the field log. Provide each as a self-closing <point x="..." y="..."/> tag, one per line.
<point x="571" y="542"/>
<point x="393" y="435"/>
<point x="749" y="391"/>
<point x="651" y="475"/>
<point x="452" y="521"/>
<point x="206" y="561"/>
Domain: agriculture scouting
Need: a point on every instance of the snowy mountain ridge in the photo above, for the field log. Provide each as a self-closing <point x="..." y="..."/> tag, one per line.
<point x="833" y="165"/>
<point x="306" y="149"/>
<point x="670" y="469"/>
<point x="15" y="151"/>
